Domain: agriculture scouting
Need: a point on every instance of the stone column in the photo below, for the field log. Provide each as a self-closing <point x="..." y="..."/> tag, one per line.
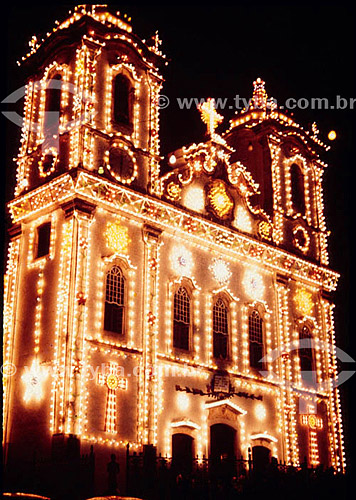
<point x="151" y="236"/>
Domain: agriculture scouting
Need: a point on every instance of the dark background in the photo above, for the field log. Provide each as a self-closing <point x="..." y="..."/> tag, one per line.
<point x="303" y="50"/>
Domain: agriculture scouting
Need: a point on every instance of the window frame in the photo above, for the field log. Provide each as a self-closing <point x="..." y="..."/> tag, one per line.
<point x="297" y="192"/>
<point x="47" y="92"/>
<point x="311" y="356"/>
<point x="124" y="306"/>
<point x="188" y="291"/>
<point x="226" y="303"/>
<point x="48" y="224"/>
<point x="57" y="75"/>
<point x="130" y="101"/>
<point x="251" y="311"/>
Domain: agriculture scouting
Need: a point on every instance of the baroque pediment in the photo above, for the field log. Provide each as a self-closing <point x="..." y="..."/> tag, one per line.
<point x="224" y="410"/>
<point x="204" y="181"/>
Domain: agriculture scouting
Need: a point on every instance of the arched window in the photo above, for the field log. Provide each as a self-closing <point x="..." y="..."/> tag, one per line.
<point x="255" y="332"/>
<point x="114" y="301"/>
<point x="52" y="105"/>
<point x="306" y="354"/>
<point x="297" y="185"/>
<point x="220" y="329"/>
<point x="181" y="319"/>
<point x="123" y="100"/>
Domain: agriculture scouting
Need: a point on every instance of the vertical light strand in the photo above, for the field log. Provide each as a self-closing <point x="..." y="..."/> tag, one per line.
<point x="313" y="448"/>
<point x="335" y="398"/>
<point x="154" y="145"/>
<point x="22" y="171"/>
<point x="10" y="305"/>
<point x="209" y="329"/>
<point x="108" y="98"/>
<point x="306" y="176"/>
<point x="167" y="441"/>
<point x="169" y="318"/>
<point x="38" y="311"/>
<point x="277" y="191"/>
<point x="282" y="372"/>
<point x="150" y="342"/>
<point x="296" y="361"/>
<point x="57" y="404"/>
<point x="288" y="188"/>
<point x="78" y="318"/>
<point x="244" y="442"/>
<point x="204" y="430"/>
<point x="85" y="245"/>
<point x="330" y="371"/>
<point x="316" y="338"/>
<point x="291" y="403"/>
<point x="78" y="114"/>
<point x="131" y="307"/>
<point x="196" y="324"/>
<point x="157" y="403"/>
<point x="245" y="340"/>
<point x="268" y="336"/>
<point x="234" y="335"/>
<point x="88" y="150"/>
<point x="324" y="257"/>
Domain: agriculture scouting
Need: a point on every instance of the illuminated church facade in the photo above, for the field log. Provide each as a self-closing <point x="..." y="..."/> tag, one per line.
<point x="139" y="304"/>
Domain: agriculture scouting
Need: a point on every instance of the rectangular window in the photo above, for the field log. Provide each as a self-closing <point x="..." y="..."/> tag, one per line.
<point x="256" y="354"/>
<point x="220" y="346"/>
<point x="181" y="335"/>
<point x="43" y="240"/>
<point x="113" y="318"/>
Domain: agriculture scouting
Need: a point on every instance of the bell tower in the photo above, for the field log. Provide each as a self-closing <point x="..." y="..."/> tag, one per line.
<point x="285" y="161"/>
<point x="91" y="116"/>
<point x="91" y="102"/>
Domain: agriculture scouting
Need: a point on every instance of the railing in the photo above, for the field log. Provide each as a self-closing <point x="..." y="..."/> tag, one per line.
<point x="155" y="477"/>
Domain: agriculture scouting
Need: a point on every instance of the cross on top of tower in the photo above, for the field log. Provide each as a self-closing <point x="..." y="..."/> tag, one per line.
<point x="210" y="116"/>
<point x="156" y="43"/>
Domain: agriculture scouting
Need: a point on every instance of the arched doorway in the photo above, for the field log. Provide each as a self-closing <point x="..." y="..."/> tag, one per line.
<point x="182" y="453"/>
<point x="261" y="457"/>
<point x="222" y="452"/>
<point x="222" y="442"/>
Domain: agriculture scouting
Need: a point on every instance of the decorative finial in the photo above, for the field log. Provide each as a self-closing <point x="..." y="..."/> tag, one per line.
<point x="209" y="115"/>
<point x="315" y="129"/>
<point x="157" y="40"/>
<point x="33" y="42"/>
<point x="259" y="96"/>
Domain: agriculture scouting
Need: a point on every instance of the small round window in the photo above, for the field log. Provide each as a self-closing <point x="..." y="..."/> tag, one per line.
<point x="121" y="163"/>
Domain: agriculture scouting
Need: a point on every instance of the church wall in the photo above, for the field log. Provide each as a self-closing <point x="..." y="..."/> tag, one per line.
<point x="135" y="388"/>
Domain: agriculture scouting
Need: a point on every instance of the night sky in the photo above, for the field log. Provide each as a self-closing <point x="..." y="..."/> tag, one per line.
<point x="299" y="50"/>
